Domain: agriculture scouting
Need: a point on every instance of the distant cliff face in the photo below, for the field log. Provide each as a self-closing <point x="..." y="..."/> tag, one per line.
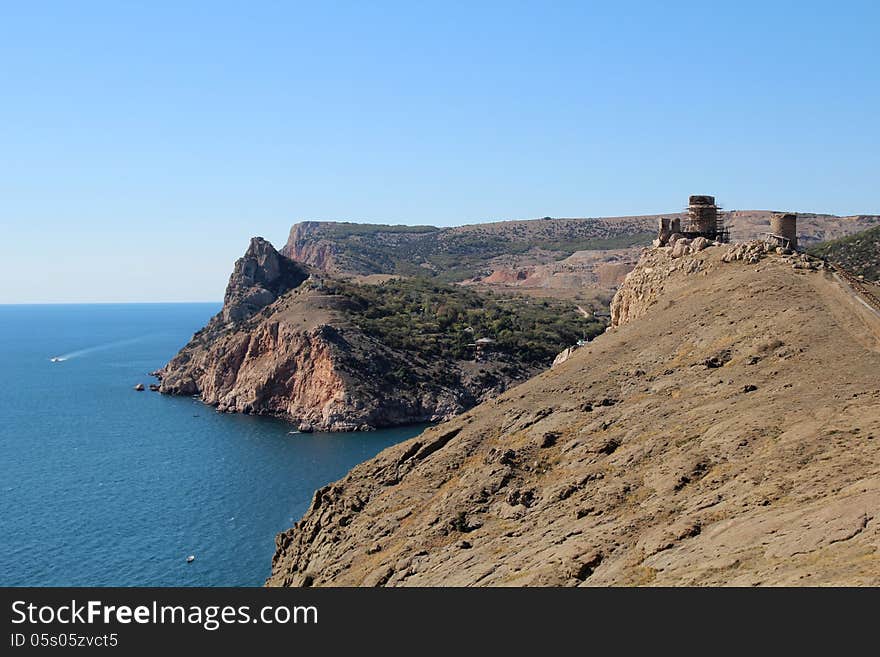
<point x="338" y="356"/>
<point x="276" y="349"/>
<point x="725" y="432"/>
<point x="320" y="378"/>
<point x="305" y="244"/>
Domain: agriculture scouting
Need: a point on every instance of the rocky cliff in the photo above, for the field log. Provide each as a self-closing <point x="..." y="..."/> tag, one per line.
<point x="259" y="278"/>
<point x="305" y="244"/>
<point x="265" y="364"/>
<point x="725" y="431"/>
<point x="338" y="356"/>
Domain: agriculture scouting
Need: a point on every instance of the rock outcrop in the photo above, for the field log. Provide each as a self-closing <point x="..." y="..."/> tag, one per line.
<point x="564" y="355"/>
<point x="322" y="378"/>
<point x="646" y="283"/>
<point x="725" y="431"/>
<point x="258" y="278"/>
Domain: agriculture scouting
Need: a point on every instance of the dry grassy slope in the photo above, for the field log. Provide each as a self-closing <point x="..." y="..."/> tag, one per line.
<point x="680" y="478"/>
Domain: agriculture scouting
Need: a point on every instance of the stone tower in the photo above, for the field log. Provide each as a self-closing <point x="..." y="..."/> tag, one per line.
<point x="702" y="215"/>
<point x="784" y="224"/>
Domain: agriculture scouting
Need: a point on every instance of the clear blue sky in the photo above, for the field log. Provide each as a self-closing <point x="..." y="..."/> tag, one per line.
<point x="143" y="143"/>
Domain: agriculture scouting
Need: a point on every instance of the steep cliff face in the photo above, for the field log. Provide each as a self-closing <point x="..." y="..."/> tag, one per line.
<point x="495" y="253"/>
<point x="322" y="378"/>
<point x="265" y="364"/>
<point x="726" y="431"/>
<point x="288" y="344"/>
<point x="305" y="245"/>
<point x="273" y="368"/>
<point x="258" y="278"/>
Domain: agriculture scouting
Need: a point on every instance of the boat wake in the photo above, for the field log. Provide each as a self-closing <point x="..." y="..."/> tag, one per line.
<point x="101" y="347"/>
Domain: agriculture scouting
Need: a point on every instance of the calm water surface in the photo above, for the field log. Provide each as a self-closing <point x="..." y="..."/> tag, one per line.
<point x="102" y="485"/>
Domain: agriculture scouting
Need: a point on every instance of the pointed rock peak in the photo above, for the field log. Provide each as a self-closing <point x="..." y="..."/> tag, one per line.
<point x="259" y="278"/>
<point x="259" y="246"/>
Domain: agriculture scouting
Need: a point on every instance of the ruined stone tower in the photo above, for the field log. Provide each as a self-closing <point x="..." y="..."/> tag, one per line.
<point x="784" y="225"/>
<point x="703" y="220"/>
<point x="702" y="215"/>
<point x="666" y="227"/>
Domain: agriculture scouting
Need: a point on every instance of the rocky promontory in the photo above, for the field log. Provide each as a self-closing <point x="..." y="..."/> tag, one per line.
<point x="333" y="355"/>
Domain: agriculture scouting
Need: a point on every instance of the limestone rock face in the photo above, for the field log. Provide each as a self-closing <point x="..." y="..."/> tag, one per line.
<point x="259" y="277"/>
<point x="699" y="243"/>
<point x="635" y="461"/>
<point x="303" y="246"/>
<point x="750" y="252"/>
<point x="681" y="248"/>
<point x="563" y="356"/>
<point x="646" y="283"/>
<point x="273" y="369"/>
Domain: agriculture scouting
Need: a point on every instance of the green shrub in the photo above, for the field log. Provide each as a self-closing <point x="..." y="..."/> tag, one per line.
<point x="437" y="321"/>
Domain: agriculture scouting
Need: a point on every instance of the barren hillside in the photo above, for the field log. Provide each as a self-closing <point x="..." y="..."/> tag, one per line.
<point x="726" y="431"/>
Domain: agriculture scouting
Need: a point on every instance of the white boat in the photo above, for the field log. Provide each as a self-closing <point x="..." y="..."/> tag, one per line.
<point x="56" y="359"/>
<point x="191" y="558"/>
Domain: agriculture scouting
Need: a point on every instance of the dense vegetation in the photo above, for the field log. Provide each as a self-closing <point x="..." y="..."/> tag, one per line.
<point x="438" y="321"/>
<point x="860" y="253"/>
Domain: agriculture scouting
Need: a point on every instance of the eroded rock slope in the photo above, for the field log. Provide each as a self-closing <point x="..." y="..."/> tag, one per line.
<point x="726" y="431"/>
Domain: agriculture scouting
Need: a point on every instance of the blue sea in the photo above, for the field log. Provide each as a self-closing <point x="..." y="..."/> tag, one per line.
<point x="105" y="486"/>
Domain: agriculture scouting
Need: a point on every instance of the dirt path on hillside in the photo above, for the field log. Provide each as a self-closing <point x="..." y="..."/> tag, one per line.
<point x="849" y="311"/>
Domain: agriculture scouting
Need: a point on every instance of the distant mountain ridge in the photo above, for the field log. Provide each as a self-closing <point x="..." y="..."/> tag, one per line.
<point x="511" y="252"/>
<point x="453" y="254"/>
